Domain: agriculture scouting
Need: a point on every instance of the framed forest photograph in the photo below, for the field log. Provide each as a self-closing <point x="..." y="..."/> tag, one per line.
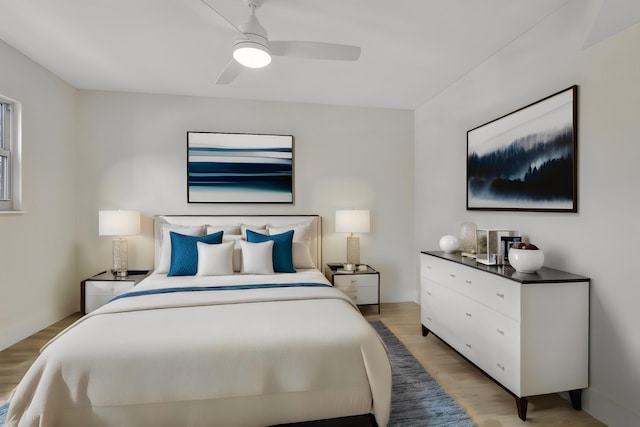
<point x="527" y="159"/>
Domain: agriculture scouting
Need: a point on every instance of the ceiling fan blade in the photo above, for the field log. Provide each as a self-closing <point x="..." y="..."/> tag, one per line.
<point x="315" y="50"/>
<point x="229" y="73"/>
<point x="221" y="16"/>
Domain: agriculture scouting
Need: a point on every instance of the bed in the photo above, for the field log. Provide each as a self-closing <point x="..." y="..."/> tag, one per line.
<point x="231" y="343"/>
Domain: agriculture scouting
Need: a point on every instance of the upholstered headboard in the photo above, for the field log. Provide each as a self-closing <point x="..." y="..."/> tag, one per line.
<point x="315" y="228"/>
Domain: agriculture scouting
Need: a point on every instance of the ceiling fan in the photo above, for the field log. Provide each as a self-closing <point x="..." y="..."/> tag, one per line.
<point x="253" y="49"/>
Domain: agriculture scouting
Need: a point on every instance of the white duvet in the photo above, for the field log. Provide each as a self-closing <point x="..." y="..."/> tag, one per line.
<point x="227" y="358"/>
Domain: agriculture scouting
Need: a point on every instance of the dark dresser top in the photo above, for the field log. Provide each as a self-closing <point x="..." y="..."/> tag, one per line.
<point x="544" y="275"/>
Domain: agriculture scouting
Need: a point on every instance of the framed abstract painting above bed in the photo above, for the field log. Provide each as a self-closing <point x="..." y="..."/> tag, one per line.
<point x="239" y="168"/>
<point x="527" y="159"/>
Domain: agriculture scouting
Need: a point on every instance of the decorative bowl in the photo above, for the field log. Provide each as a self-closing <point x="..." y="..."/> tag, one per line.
<point x="526" y="260"/>
<point x="449" y="243"/>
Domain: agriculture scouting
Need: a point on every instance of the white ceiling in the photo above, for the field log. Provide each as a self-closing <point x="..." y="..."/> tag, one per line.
<point x="411" y="49"/>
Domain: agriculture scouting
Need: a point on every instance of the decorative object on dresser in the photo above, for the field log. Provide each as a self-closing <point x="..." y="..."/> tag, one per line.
<point x="468" y="238"/>
<point x="119" y="224"/>
<point x="98" y="290"/>
<point x="528" y="332"/>
<point x="526" y="160"/>
<point x="353" y="221"/>
<point x="362" y="284"/>
<point x="525" y="257"/>
<point x="488" y="245"/>
<point x="449" y="243"/>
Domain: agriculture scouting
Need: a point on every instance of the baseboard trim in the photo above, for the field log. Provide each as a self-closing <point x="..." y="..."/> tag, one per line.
<point x="608" y="411"/>
<point x="24" y="329"/>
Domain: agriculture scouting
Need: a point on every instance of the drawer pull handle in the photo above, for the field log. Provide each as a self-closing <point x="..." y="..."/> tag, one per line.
<point x="452" y="275"/>
<point x="468" y="282"/>
<point x="428" y="267"/>
<point x="468" y="314"/>
<point x="499" y="295"/>
<point x="500" y="366"/>
<point x="428" y="293"/>
<point x="501" y="332"/>
<point x="468" y="345"/>
<point x="429" y="318"/>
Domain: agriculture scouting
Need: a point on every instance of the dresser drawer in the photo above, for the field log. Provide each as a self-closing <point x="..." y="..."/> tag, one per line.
<point x="500" y="294"/>
<point x="497" y="351"/>
<point x="441" y="312"/>
<point x="501" y="333"/>
<point x="504" y="369"/>
<point x="434" y="269"/>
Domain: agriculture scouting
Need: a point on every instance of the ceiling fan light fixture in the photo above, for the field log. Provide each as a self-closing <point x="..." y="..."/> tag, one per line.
<point x="251" y="54"/>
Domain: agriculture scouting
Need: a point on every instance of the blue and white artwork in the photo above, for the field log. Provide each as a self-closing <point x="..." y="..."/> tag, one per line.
<point x="239" y="168"/>
<point x="526" y="160"/>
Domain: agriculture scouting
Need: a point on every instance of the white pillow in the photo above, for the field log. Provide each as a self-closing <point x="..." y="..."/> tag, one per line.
<point x="257" y="228"/>
<point x="215" y="259"/>
<point x="227" y="229"/>
<point x="165" y="244"/>
<point x="301" y="248"/>
<point x="237" y="250"/>
<point x="257" y="258"/>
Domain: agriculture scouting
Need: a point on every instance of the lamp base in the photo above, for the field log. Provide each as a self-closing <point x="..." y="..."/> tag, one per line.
<point x="120" y="273"/>
<point x="353" y="250"/>
<point x="120" y="249"/>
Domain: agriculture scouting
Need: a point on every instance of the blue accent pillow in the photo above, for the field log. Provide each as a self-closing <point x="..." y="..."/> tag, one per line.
<point x="282" y="249"/>
<point x="184" y="252"/>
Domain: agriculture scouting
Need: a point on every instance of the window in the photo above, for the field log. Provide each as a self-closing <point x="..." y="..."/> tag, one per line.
<point x="9" y="155"/>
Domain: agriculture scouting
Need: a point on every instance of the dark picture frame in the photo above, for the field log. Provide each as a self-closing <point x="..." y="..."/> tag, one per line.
<point x="239" y="168"/>
<point x="505" y="244"/>
<point x="527" y="159"/>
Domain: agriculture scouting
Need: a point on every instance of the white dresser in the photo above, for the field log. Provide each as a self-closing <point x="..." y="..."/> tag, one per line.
<point x="529" y="332"/>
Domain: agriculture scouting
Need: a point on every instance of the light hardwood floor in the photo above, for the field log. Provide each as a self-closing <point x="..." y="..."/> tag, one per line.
<point x="486" y="403"/>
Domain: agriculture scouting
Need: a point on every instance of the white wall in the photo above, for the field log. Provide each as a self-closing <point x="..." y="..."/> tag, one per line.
<point x="132" y="151"/>
<point x="38" y="283"/>
<point x="601" y="240"/>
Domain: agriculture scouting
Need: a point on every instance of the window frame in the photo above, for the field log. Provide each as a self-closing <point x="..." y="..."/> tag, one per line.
<point x="10" y="147"/>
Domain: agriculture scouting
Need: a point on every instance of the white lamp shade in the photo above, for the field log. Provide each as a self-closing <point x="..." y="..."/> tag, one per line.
<point x="352" y="221"/>
<point x="118" y="223"/>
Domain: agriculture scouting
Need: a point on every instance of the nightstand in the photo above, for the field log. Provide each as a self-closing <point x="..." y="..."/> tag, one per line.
<point x="362" y="286"/>
<point x="96" y="291"/>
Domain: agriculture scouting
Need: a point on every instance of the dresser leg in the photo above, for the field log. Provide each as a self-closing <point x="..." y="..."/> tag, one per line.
<point x="425" y="331"/>
<point x="576" y="399"/>
<point x="521" y="403"/>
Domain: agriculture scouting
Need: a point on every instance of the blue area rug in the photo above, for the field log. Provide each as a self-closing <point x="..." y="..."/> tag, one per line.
<point x="417" y="399"/>
<point x="3" y="413"/>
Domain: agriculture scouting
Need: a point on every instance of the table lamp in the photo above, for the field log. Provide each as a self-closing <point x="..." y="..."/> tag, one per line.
<point x="352" y="221"/>
<point x="119" y="223"/>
